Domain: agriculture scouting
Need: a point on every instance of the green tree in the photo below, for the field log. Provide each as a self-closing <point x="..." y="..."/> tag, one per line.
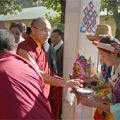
<point x="113" y="9"/>
<point x="9" y="6"/>
<point x="55" y="21"/>
<point x="14" y="6"/>
<point x="58" y="6"/>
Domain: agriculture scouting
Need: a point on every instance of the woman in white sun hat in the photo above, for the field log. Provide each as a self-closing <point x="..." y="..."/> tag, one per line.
<point x="110" y="54"/>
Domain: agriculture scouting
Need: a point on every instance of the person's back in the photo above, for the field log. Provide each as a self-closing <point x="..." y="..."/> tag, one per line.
<point x="21" y="89"/>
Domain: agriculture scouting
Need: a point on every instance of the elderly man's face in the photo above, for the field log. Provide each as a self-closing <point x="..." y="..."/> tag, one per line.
<point x="42" y="31"/>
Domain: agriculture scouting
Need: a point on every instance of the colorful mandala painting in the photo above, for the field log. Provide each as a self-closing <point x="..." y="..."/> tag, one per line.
<point x="79" y="67"/>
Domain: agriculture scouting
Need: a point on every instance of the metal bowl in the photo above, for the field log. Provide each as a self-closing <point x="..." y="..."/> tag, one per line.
<point x="84" y="91"/>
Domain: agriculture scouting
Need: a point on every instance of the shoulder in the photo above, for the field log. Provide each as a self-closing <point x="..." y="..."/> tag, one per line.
<point x="28" y="42"/>
<point x="27" y="45"/>
<point x="60" y="50"/>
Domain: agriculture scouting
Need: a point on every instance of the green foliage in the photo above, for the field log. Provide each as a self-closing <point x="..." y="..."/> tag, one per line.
<point x="112" y="6"/>
<point x="53" y="20"/>
<point x="54" y="4"/>
<point x="9" y="6"/>
<point x="113" y="9"/>
<point x="14" y="6"/>
<point x="51" y="4"/>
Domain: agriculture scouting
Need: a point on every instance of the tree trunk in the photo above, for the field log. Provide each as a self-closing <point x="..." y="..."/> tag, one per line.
<point x="117" y="21"/>
<point x="63" y="4"/>
<point x="117" y="34"/>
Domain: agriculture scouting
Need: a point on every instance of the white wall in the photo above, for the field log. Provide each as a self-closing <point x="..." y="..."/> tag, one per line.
<point x="74" y="40"/>
<point x="71" y="38"/>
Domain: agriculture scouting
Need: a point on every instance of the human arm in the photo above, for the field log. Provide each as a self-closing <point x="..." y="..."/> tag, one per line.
<point x="95" y="102"/>
<point x="114" y="108"/>
<point x="62" y="83"/>
<point x="101" y="87"/>
<point x="47" y="78"/>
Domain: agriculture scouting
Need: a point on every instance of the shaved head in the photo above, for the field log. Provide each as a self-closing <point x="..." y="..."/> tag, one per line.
<point x="41" y="29"/>
<point x="39" y="21"/>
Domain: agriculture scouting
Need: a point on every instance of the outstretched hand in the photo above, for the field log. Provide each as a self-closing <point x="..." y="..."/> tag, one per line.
<point x="88" y="101"/>
<point x="73" y="82"/>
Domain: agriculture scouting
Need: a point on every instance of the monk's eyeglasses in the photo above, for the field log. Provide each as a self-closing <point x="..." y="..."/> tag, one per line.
<point x="42" y="30"/>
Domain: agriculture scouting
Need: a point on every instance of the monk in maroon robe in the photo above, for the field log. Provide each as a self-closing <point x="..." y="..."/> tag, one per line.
<point x="21" y="85"/>
<point x="32" y="50"/>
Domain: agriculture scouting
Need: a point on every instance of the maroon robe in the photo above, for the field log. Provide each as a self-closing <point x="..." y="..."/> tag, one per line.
<point x="41" y="58"/>
<point x="21" y="90"/>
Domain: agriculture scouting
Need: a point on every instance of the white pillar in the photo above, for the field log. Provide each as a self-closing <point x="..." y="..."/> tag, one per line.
<point x="74" y="40"/>
<point x="71" y="38"/>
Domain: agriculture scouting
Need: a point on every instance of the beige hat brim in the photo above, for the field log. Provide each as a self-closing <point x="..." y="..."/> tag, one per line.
<point x="104" y="46"/>
<point x="107" y="47"/>
<point x="95" y="37"/>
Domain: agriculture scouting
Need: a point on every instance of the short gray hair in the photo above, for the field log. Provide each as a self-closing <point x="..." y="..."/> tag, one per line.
<point x="7" y="41"/>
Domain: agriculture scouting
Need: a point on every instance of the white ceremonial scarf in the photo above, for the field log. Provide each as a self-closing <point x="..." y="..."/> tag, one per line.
<point x="56" y="47"/>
